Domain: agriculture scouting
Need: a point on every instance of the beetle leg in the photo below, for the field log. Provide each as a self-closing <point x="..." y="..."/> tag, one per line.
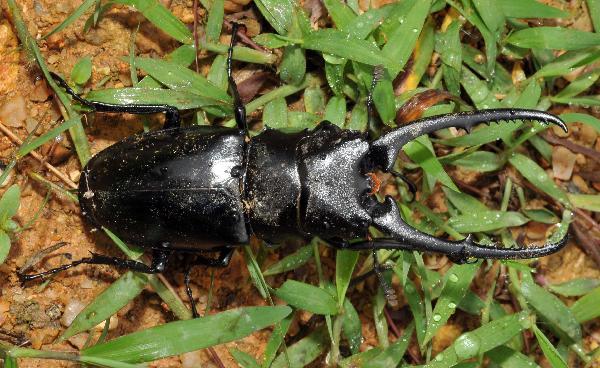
<point x="159" y="261"/>
<point x="188" y="290"/>
<point x="172" y="118"/>
<point x="239" y="109"/>
<point x="221" y="261"/>
<point x="388" y="291"/>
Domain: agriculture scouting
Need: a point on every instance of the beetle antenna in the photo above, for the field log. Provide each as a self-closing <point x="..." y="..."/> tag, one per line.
<point x="378" y="72"/>
<point x="388" y="291"/>
<point x="239" y="109"/>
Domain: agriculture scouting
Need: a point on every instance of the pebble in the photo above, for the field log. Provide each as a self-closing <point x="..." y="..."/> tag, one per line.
<point x="581" y="184"/>
<point x="563" y="162"/>
<point x="192" y="359"/>
<point x="114" y="323"/>
<point x="79" y="340"/>
<point x="40" y="92"/>
<point x="72" y="309"/>
<point x="30" y="124"/>
<point x="587" y="135"/>
<point x="559" y="132"/>
<point x="14" y="111"/>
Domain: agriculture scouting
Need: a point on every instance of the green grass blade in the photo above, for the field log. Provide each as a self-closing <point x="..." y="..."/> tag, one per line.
<point x="107" y="303"/>
<point x="335" y="111"/>
<point x="475" y="222"/>
<point x="276" y="339"/>
<point x="555" y="38"/>
<point x="480" y="161"/>
<point x="291" y="262"/>
<point x="243" y="359"/>
<point x="27" y="147"/>
<point x="506" y="357"/>
<point x="548" y="349"/>
<point x="4" y="246"/>
<point x="419" y="152"/>
<point x="576" y="287"/>
<point x="304" y="351"/>
<point x="538" y="177"/>
<point x="87" y="4"/>
<point x="338" y="43"/>
<point x="162" y="18"/>
<point x="481" y="340"/>
<point x="307" y="297"/>
<point x="82" y="71"/>
<point x="590" y="120"/>
<point x="215" y="20"/>
<point x="590" y="202"/>
<point x="166" y="340"/>
<point x="351" y="327"/>
<point x="9" y="203"/>
<point x="552" y="310"/>
<point x="392" y="355"/>
<point x="345" y="260"/>
<point x="277" y="12"/>
<point x="529" y="9"/>
<point x="454" y="290"/>
<point x="587" y="308"/>
<point x="178" y="77"/>
<point x="594" y="9"/>
<point x="401" y="39"/>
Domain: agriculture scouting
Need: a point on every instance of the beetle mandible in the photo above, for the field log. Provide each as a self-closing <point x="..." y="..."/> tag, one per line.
<point x="207" y="189"/>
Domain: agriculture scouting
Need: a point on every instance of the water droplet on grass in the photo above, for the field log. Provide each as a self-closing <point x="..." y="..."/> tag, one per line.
<point x="467" y="346"/>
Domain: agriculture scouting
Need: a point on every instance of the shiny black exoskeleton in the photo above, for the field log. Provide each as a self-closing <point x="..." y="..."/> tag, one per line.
<point x="209" y="189"/>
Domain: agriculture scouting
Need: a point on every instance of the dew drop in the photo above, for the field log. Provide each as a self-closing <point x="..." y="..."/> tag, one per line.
<point x="439" y="357"/>
<point x="467" y="346"/>
<point x="437" y="317"/>
<point x="453" y="277"/>
<point x="452" y="305"/>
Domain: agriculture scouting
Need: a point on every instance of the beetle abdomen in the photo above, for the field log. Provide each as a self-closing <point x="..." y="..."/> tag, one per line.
<point x="175" y="186"/>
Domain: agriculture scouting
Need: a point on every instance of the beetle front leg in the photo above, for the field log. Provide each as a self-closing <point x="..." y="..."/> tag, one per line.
<point x="172" y="118"/>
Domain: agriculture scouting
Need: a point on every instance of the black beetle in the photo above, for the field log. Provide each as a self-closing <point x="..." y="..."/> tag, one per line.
<point x="206" y="189"/>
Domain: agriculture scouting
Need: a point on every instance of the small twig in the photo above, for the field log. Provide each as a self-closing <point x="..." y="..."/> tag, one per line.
<point x="589" y="152"/>
<point x="391" y="323"/>
<point x="37" y="257"/>
<point x="196" y="34"/>
<point x="243" y="37"/>
<point x="589" y="244"/>
<point x="469" y="187"/>
<point x="215" y="357"/>
<point x="37" y="156"/>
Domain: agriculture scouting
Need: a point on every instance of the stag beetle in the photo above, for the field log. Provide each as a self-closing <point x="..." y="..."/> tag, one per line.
<point x="207" y="189"/>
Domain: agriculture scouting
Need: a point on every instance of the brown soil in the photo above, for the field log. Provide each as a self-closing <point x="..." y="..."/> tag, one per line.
<point x="36" y="311"/>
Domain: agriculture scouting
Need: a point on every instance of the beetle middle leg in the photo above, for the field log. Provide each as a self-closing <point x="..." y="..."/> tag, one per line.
<point x="159" y="262"/>
<point x="222" y="260"/>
